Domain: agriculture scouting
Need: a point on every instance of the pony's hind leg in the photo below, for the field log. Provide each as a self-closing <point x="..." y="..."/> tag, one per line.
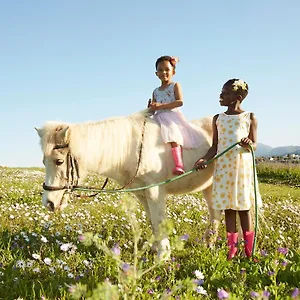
<point x="211" y="232"/>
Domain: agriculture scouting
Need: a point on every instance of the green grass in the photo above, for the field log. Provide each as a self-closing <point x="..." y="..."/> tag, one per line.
<point x="282" y="173"/>
<point x="65" y="264"/>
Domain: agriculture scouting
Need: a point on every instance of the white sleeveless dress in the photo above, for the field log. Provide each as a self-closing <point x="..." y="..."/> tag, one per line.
<point x="233" y="186"/>
<point x="174" y="126"/>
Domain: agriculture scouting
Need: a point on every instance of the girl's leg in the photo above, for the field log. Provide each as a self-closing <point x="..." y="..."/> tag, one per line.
<point x="232" y="235"/>
<point x="248" y="232"/>
<point x="245" y="218"/>
<point x="177" y="156"/>
<point x="230" y="220"/>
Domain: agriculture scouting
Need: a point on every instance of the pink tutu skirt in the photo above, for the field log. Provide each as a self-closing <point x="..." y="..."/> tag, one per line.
<point x="175" y="128"/>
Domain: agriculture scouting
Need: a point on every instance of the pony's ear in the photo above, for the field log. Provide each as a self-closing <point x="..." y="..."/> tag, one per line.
<point x="64" y="134"/>
<point x="39" y="131"/>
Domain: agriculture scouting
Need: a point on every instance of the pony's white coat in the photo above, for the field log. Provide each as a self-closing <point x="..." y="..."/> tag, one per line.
<point x="111" y="148"/>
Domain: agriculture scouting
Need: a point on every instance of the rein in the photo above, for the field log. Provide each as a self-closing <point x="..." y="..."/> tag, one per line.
<point x="186" y="174"/>
<point x="72" y="166"/>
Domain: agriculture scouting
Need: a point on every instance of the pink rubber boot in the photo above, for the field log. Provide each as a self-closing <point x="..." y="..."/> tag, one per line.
<point x="232" y="239"/>
<point x="177" y="156"/>
<point x="249" y="240"/>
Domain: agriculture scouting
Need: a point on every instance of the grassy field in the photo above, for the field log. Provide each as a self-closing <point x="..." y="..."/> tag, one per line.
<point x="99" y="248"/>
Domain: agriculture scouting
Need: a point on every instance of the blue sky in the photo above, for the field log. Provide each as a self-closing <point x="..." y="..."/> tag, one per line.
<point x="76" y="61"/>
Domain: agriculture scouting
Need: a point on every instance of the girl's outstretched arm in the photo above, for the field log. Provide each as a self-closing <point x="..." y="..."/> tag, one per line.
<point x="201" y="163"/>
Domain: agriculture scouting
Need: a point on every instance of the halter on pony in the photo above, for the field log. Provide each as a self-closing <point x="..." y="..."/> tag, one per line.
<point x="72" y="172"/>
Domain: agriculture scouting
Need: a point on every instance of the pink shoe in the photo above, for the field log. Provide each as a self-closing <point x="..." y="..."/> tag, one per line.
<point x="232" y="239"/>
<point x="249" y="240"/>
<point x="177" y="156"/>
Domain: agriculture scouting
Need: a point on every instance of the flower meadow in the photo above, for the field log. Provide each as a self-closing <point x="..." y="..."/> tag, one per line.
<point x="100" y="247"/>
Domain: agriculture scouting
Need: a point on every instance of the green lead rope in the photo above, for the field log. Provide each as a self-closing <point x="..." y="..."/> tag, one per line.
<point x="255" y="200"/>
<point x="181" y="176"/>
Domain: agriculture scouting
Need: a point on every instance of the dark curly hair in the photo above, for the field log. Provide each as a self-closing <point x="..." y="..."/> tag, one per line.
<point x="168" y="58"/>
<point x="239" y="91"/>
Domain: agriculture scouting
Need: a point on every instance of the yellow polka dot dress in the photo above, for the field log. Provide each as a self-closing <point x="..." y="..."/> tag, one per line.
<point x="233" y="186"/>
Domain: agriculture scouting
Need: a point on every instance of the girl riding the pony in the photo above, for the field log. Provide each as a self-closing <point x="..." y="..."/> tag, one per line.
<point x="166" y="100"/>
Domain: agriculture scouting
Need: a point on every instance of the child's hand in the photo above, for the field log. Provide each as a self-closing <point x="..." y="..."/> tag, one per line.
<point x="245" y="142"/>
<point x="155" y="106"/>
<point x="200" y="164"/>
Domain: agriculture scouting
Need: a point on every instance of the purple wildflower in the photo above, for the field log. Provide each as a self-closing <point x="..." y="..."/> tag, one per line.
<point x="222" y="294"/>
<point x="116" y="249"/>
<point x="263" y="253"/>
<point x="266" y="294"/>
<point x="254" y="294"/>
<point x="271" y="273"/>
<point x="125" y="267"/>
<point x="283" y="251"/>
<point x="295" y="293"/>
<point x="184" y="237"/>
<point x="158" y="278"/>
<point x="284" y="263"/>
<point x="78" y="277"/>
<point x="198" y="281"/>
<point x="150" y="292"/>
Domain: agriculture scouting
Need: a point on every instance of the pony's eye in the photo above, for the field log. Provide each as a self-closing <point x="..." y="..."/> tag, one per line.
<point x="59" y="162"/>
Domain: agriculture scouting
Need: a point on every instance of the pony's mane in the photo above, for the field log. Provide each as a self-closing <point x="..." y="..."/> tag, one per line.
<point x="115" y="131"/>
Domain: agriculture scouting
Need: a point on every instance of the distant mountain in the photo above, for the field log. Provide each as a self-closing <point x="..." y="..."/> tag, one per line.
<point x="265" y="150"/>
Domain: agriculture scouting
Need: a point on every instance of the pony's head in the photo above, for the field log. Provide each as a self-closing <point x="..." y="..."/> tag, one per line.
<point x="61" y="168"/>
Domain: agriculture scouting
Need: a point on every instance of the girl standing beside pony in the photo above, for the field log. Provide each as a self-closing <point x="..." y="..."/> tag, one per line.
<point x="166" y="100"/>
<point x="233" y="186"/>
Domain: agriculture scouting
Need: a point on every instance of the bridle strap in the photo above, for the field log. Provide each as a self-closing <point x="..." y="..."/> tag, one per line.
<point x="53" y="188"/>
<point x="72" y="172"/>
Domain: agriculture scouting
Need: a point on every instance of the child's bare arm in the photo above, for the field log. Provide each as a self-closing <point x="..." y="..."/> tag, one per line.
<point x="251" y="139"/>
<point x="201" y="163"/>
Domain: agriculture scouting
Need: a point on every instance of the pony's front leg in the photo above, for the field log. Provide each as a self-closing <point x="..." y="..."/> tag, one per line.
<point x="211" y="232"/>
<point x="157" y="206"/>
<point x="143" y="199"/>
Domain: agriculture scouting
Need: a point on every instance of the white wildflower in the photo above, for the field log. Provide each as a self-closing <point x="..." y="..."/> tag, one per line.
<point x="47" y="261"/>
<point x="44" y="239"/>
<point x="36" y="270"/>
<point x="199" y="274"/>
<point x="65" y="247"/>
<point x="36" y="256"/>
<point x="201" y="290"/>
<point x="20" y="264"/>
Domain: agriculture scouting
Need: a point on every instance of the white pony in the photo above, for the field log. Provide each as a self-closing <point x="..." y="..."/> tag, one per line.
<point x="111" y="148"/>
